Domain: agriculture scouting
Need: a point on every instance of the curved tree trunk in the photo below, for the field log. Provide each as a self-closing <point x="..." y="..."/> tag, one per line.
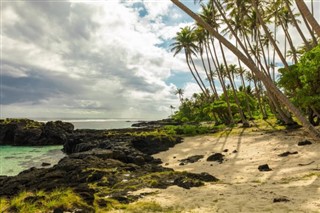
<point x="195" y="78"/>
<point x="306" y="13"/>
<point x="251" y="65"/>
<point x="297" y="26"/>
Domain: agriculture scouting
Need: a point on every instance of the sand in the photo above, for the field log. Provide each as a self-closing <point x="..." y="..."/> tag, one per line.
<point x="294" y="179"/>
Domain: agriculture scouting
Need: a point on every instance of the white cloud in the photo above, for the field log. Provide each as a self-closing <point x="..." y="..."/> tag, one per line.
<point x="79" y="59"/>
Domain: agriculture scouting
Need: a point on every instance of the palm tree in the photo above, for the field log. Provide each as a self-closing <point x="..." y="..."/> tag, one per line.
<point x="172" y="108"/>
<point x="306" y="13"/>
<point x="179" y="92"/>
<point x="251" y="65"/>
<point x="185" y="40"/>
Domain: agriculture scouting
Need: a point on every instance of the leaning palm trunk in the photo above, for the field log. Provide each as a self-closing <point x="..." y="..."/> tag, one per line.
<point x="297" y="26"/>
<point x="251" y="65"/>
<point x="306" y="13"/>
<point x="195" y="78"/>
<point x="204" y="90"/>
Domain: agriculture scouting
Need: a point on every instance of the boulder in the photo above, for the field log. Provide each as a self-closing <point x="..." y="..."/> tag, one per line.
<point x="26" y="132"/>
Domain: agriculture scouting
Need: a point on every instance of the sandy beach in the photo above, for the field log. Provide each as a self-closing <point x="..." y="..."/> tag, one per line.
<point x="293" y="184"/>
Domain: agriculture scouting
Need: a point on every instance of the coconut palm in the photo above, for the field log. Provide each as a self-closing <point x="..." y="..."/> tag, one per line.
<point x="306" y="13"/>
<point x="179" y="92"/>
<point x="185" y="40"/>
<point x="252" y="66"/>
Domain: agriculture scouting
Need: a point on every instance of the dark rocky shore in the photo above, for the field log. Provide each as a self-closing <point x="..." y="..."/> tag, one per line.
<point x="100" y="163"/>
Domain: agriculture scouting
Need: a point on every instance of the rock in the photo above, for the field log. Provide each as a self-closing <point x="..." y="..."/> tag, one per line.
<point x="119" y="160"/>
<point x="216" y="157"/>
<point x="159" y="123"/>
<point x="187" y="183"/>
<point x="226" y="150"/>
<point x="264" y="168"/>
<point x="203" y="176"/>
<point x="45" y="164"/>
<point x="234" y="151"/>
<point x="152" y="145"/>
<point x="285" y="154"/>
<point x="280" y="199"/>
<point x="191" y="159"/>
<point x="304" y="143"/>
<point x="58" y="210"/>
<point x="26" y="132"/>
<point x="57" y="132"/>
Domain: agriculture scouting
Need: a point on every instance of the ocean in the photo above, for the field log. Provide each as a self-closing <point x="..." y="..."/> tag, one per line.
<point x="14" y="159"/>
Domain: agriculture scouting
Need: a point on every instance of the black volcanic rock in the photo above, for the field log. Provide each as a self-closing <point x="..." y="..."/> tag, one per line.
<point x="119" y="161"/>
<point x="158" y="123"/>
<point x="26" y="132"/>
<point x="304" y="143"/>
<point x="216" y="157"/>
<point x="264" y="168"/>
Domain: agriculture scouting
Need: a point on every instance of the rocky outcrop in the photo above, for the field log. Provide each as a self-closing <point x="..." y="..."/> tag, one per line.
<point x="155" y="124"/>
<point x="25" y="132"/>
<point x="100" y="163"/>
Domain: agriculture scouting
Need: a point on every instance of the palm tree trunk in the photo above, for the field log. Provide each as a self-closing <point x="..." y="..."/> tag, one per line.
<point x="266" y="30"/>
<point x="306" y="13"/>
<point x="215" y="93"/>
<point x="297" y="26"/>
<point x="201" y="82"/>
<point x="206" y="71"/>
<point x="243" y="119"/>
<point x="250" y="64"/>
<point x="195" y="78"/>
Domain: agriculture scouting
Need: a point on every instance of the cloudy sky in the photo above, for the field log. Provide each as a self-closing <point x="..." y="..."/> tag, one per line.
<point x="104" y="59"/>
<point x="91" y="59"/>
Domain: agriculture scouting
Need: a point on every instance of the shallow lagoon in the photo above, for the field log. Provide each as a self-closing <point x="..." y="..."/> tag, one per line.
<point x="14" y="159"/>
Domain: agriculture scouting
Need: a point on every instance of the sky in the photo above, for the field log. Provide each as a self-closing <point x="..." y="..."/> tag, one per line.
<point x="92" y="59"/>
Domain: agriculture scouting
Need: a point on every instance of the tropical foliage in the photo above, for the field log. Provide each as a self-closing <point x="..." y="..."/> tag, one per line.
<point x="251" y="30"/>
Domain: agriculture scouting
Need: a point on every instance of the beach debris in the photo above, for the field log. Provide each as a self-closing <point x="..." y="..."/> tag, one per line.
<point x="191" y="159"/>
<point x="216" y="157"/>
<point x="264" y="168"/>
<point x="305" y="142"/>
<point x="305" y="164"/>
<point x="280" y="199"/>
<point x="285" y="154"/>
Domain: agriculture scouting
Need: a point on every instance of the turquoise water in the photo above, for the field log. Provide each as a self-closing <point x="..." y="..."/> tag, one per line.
<point x="14" y="159"/>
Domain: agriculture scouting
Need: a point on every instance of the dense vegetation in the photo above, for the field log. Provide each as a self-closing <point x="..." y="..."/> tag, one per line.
<point x="271" y="75"/>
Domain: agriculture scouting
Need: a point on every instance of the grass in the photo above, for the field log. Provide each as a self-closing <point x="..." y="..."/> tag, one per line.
<point x="41" y="201"/>
<point x="304" y="177"/>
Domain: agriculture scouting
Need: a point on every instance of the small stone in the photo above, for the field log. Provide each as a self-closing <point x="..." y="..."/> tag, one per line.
<point x="235" y="151"/>
<point x="58" y="210"/>
<point x="226" y="150"/>
<point x="45" y="164"/>
<point x="305" y="142"/>
<point x="280" y="199"/>
<point x="285" y="154"/>
<point x="216" y="157"/>
<point x="264" y="168"/>
<point x="166" y="164"/>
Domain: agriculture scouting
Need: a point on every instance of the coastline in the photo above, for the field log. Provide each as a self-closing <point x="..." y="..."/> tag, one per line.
<point x="138" y="169"/>
<point x="101" y="166"/>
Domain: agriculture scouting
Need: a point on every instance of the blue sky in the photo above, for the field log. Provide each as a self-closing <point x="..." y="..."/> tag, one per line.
<point x="92" y="59"/>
